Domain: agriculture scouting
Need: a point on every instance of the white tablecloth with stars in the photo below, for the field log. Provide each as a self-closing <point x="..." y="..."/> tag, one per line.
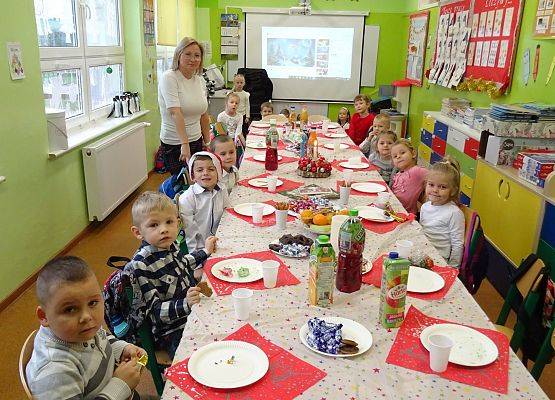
<point x="279" y="313"/>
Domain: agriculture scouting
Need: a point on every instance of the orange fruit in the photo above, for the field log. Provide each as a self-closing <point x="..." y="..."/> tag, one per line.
<point x="320" y="219"/>
<point x="345" y="211"/>
<point x="306" y="214"/>
<point x="329" y="217"/>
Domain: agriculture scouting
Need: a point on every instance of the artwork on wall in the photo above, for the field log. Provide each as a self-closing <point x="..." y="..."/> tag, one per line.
<point x="416" y="52"/>
<point x="544" y="26"/>
<point x="15" y="60"/>
<point x="148" y="22"/>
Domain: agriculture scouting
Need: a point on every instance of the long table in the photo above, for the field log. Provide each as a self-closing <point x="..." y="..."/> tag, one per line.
<point x="279" y="313"/>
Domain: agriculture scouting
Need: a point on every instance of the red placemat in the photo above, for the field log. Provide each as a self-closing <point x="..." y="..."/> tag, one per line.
<point x="284" y="160"/>
<point x="287" y="184"/>
<point x="449" y="274"/>
<point x="384" y="227"/>
<point x="222" y="288"/>
<point x="355" y="192"/>
<point x="267" y="220"/>
<point x="408" y="352"/>
<point x="287" y="376"/>
<point x="335" y="164"/>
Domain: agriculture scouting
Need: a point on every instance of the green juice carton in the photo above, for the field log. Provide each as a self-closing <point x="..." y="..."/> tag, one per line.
<point x="321" y="277"/>
<point x="395" y="275"/>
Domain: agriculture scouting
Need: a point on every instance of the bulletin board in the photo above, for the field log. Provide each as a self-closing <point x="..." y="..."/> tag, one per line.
<point x="544" y="26"/>
<point x="493" y="40"/>
<point x="416" y="52"/>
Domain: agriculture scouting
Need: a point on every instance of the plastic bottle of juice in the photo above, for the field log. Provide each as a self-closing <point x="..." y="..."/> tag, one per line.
<point x="304" y="116"/>
<point x="272" y="139"/>
<point x="322" y="272"/>
<point x="395" y="275"/>
<point x="349" y="261"/>
<point x="293" y="116"/>
<point x="312" y="146"/>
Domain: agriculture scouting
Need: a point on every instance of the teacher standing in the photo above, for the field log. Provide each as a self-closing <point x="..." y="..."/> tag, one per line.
<point x="183" y="105"/>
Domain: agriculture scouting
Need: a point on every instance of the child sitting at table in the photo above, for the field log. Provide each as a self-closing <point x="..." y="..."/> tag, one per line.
<point x="344" y="117"/>
<point x="361" y="121"/>
<point x="166" y="276"/>
<point x="244" y="106"/>
<point x="441" y="219"/>
<point x="266" y="108"/>
<point x="231" y="120"/>
<point x="73" y="356"/>
<point x="224" y="148"/>
<point x="381" y="124"/>
<point x="202" y="205"/>
<point x="408" y="183"/>
<point x="381" y="158"/>
<point x="285" y="113"/>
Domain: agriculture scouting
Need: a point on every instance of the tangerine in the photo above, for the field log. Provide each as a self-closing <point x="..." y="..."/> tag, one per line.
<point x="320" y="219"/>
<point x="329" y="217"/>
<point x="345" y="211"/>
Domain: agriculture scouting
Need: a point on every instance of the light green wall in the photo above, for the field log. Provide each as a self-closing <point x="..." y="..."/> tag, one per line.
<point x="43" y="203"/>
<point x="429" y="97"/>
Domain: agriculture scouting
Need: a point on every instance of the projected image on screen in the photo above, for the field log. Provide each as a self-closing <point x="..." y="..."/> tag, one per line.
<point x="307" y="52"/>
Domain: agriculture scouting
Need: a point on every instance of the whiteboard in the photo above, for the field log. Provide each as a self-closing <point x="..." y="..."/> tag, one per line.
<point x="370" y="55"/>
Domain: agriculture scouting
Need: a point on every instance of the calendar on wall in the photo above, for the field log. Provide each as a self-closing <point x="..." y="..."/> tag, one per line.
<point x="416" y="52"/>
<point x="544" y="26"/>
<point x="493" y="40"/>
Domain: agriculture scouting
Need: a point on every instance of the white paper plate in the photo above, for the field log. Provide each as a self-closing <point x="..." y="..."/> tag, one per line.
<point x="260" y="124"/>
<point x="423" y="280"/>
<point x="368" y="187"/>
<point x="246" y="209"/>
<point x="373" y="214"/>
<point x="256" y="144"/>
<point x="263" y="182"/>
<point x="336" y="135"/>
<point x="351" y="330"/>
<point x="368" y="268"/>
<point x="342" y="146"/>
<point x="362" y="165"/>
<point x="254" y="266"/>
<point x="208" y="364"/>
<point x="262" y="157"/>
<point x="471" y="348"/>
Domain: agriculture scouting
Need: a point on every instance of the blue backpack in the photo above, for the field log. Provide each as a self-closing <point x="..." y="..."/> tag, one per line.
<point x="175" y="184"/>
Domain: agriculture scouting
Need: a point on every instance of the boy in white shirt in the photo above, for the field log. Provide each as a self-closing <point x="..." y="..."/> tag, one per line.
<point x="244" y="107"/>
<point x="202" y="205"/>
<point x="224" y="148"/>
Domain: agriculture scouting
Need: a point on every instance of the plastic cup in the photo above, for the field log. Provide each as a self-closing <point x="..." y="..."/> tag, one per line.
<point x="354" y="160"/>
<point x="344" y="192"/>
<point x="440" y="348"/>
<point x="404" y="248"/>
<point x="257" y="212"/>
<point x="382" y="199"/>
<point x="325" y="124"/>
<point x="336" y="146"/>
<point x="242" y="300"/>
<point x="281" y="219"/>
<point x="348" y="177"/>
<point x="272" y="182"/>
<point x="270" y="270"/>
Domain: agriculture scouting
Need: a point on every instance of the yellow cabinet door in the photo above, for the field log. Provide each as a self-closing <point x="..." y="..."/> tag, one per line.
<point x="467" y="183"/>
<point x="510" y="214"/>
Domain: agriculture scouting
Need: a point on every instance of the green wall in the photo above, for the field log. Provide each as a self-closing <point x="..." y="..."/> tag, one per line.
<point x="429" y="97"/>
<point x="43" y="202"/>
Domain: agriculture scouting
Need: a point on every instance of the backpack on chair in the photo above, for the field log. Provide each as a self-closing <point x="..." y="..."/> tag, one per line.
<point x="175" y="184"/>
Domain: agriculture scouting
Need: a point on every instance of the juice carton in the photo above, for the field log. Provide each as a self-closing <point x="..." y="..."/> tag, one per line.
<point x="321" y="275"/>
<point x="395" y="275"/>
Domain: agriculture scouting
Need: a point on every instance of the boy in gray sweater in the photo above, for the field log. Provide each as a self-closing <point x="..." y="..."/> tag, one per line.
<point x="73" y="357"/>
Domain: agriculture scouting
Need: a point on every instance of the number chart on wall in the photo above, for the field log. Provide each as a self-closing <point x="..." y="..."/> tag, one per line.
<point x="495" y="28"/>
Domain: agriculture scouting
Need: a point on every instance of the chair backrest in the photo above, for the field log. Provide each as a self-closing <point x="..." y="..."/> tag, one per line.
<point x="524" y="284"/>
<point x="24" y="357"/>
<point x="280" y="119"/>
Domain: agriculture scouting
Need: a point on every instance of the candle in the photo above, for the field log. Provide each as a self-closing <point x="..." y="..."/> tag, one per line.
<point x="316" y="149"/>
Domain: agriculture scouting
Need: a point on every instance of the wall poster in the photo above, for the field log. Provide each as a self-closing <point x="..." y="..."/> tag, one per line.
<point x="418" y="33"/>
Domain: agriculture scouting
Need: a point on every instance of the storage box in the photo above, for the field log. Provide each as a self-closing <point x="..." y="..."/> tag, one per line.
<point x="504" y="150"/>
<point x="541" y="129"/>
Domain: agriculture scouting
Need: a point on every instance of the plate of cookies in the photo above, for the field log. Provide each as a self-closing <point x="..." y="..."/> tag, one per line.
<point x="294" y="246"/>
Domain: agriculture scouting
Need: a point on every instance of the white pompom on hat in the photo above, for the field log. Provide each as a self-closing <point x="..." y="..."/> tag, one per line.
<point x="215" y="159"/>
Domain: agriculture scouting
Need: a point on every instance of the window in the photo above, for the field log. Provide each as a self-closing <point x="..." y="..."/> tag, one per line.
<point x="82" y="56"/>
<point x="164" y="59"/>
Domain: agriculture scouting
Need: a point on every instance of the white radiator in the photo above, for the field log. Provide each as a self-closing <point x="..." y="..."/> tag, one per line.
<point x="114" y="167"/>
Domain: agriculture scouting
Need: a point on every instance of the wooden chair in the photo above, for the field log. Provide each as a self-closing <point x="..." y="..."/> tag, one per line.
<point x="280" y="119"/>
<point x="316" y="118"/>
<point x="24" y="357"/>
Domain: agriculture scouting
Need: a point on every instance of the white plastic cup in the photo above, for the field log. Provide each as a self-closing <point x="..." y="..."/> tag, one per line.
<point x="270" y="269"/>
<point x="354" y="160"/>
<point x="336" y="146"/>
<point x="344" y="192"/>
<point x="272" y="182"/>
<point x="440" y="348"/>
<point x="348" y="177"/>
<point x="257" y="213"/>
<point x="404" y="248"/>
<point x="382" y="199"/>
<point x="281" y="219"/>
<point x="242" y="300"/>
<point x="325" y="124"/>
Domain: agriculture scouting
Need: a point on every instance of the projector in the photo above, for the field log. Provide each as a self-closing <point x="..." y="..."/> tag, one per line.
<point x="299" y="11"/>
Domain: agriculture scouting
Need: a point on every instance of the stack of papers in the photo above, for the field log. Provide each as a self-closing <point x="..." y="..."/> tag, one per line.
<point x="547" y="111"/>
<point x="513" y="112"/>
<point x="454" y="108"/>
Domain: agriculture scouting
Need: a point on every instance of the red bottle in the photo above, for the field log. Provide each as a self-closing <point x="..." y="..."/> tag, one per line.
<point x="272" y="139"/>
<point x="349" y="260"/>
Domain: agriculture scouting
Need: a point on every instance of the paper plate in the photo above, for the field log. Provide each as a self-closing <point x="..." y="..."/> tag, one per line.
<point x="351" y="330"/>
<point x="368" y="187"/>
<point x="263" y="182"/>
<point x="471" y="348"/>
<point x="346" y="164"/>
<point x="423" y="280"/>
<point x="260" y="124"/>
<point x="254" y="266"/>
<point x="209" y="365"/>
<point x="366" y="266"/>
<point x="246" y="209"/>
<point x="342" y="146"/>
<point x="259" y="144"/>
<point x="333" y="125"/>
<point x="262" y="157"/>
<point x="336" y="135"/>
<point x="374" y="214"/>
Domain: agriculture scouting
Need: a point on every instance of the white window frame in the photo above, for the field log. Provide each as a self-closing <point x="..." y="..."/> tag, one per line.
<point x="82" y="57"/>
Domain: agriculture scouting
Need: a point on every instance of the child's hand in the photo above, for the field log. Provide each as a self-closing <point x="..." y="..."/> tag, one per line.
<point x="210" y="244"/>
<point x="371" y="133"/>
<point x="193" y="295"/>
<point x="129" y="372"/>
<point x="130" y="351"/>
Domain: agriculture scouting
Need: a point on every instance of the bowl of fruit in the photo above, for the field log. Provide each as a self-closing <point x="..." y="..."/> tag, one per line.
<point x="314" y="167"/>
